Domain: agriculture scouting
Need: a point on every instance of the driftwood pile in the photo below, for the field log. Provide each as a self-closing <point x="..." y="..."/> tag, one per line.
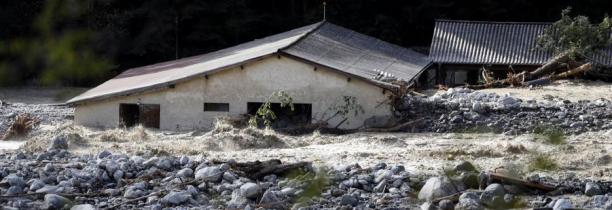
<point x="22" y="124"/>
<point x="562" y="66"/>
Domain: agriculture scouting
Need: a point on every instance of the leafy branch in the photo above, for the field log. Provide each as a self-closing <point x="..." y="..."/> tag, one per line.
<point x="265" y="113"/>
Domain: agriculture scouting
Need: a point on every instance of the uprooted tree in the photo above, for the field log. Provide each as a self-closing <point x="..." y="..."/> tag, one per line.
<point x="573" y="42"/>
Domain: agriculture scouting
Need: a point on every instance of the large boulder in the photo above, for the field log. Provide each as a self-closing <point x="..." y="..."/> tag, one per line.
<point x="562" y="204"/>
<point x="437" y="187"/>
<point x="469" y="201"/>
<point x="176" y="198"/>
<point x="493" y="196"/>
<point x="53" y="201"/>
<point x="592" y="189"/>
<point x="58" y="142"/>
<point x="238" y="201"/>
<point x="250" y="190"/>
<point x="209" y="174"/>
<point x="83" y="207"/>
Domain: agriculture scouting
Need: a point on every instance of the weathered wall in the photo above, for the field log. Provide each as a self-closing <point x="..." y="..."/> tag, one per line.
<point x="182" y="106"/>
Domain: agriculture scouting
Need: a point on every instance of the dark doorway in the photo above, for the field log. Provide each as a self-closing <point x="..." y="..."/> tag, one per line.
<point x="285" y="117"/>
<point x="134" y="114"/>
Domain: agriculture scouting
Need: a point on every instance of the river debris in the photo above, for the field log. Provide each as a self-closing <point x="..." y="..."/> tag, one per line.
<point x="466" y="110"/>
<point x="20" y="126"/>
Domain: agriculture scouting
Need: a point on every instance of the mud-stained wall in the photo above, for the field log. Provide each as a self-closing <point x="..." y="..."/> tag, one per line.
<point x="182" y="106"/>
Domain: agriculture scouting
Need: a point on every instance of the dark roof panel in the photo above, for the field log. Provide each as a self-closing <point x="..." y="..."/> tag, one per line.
<point x="506" y="43"/>
<point x="358" y="54"/>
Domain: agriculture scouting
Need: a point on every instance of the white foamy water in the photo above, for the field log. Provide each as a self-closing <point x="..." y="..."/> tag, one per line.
<point x="10" y="145"/>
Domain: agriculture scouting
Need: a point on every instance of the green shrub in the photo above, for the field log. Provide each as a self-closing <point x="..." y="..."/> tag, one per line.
<point x="542" y="162"/>
<point x="550" y="135"/>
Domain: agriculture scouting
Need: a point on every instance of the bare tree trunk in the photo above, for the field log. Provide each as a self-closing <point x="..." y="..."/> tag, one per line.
<point x="549" y="67"/>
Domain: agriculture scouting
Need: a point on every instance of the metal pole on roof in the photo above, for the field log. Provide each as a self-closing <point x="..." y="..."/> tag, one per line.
<point x="176" y="36"/>
<point x="324" y="10"/>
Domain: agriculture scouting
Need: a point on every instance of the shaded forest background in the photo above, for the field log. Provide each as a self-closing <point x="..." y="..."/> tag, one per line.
<point x="84" y="42"/>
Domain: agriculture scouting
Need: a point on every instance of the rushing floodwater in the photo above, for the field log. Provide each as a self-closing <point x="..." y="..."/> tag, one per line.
<point x="10" y="145"/>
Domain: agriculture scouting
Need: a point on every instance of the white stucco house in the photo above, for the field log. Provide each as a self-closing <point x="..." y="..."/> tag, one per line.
<point x="317" y="65"/>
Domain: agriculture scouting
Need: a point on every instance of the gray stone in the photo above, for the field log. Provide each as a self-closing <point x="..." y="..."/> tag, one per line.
<point x="250" y="190"/>
<point x="150" y="162"/>
<point x="478" y="107"/>
<point x="349" y="200"/>
<point x="288" y="191"/>
<point x="59" y="142"/>
<point x="137" y="160"/>
<point x="184" y="160"/>
<point x="184" y="173"/>
<point x="132" y="192"/>
<point x="446" y="205"/>
<point x="381" y="186"/>
<point x="54" y="201"/>
<point x="592" y="189"/>
<point x="562" y="204"/>
<point x="104" y="154"/>
<point x="598" y="202"/>
<point x="14" y="190"/>
<point x="83" y="207"/>
<point x="50" y="189"/>
<point x="13" y="180"/>
<point x="469" y="204"/>
<point x="397" y="169"/>
<point x="229" y="176"/>
<point x="118" y="175"/>
<point x="436" y="187"/>
<point x="238" y="201"/>
<point x="272" y="201"/>
<point x="383" y="174"/>
<point x="428" y="206"/>
<point x="176" y="198"/>
<point x="36" y="184"/>
<point x="469" y="195"/>
<point x="379" y="166"/>
<point x="49" y="168"/>
<point x="493" y="195"/>
<point x="210" y="174"/>
<point x="164" y="163"/>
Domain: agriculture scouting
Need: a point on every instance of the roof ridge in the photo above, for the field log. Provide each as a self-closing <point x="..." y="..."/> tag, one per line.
<point x="494" y="22"/>
<point x="316" y="28"/>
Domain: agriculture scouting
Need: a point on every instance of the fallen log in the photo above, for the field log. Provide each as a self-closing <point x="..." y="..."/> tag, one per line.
<point x="549" y="67"/>
<point x="394" y="128"/>
<point x="573" y="72"/>
<point x="135" y="199"/>
<point x="258" y="169"/>
<point x="496" y="177"/>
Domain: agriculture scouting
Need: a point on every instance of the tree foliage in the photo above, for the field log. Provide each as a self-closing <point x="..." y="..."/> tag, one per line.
<point x="138" y="33"/>
<point x="576" y="35"/>
<point x="58" y="54"/>
<point x="265" y="114"/>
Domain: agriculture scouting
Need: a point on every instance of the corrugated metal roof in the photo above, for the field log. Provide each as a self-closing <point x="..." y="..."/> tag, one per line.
<point x="504" y="43"/>
<point x="358" y="54"/>
<point x="322" y="43"/>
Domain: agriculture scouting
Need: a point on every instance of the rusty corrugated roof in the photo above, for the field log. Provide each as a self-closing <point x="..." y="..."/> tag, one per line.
<point x="504" y="43"/>
<point x="322" y="43"/>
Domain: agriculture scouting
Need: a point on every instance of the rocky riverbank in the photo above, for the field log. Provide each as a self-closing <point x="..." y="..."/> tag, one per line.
<point x="466" y="110"/>
<point x="57" y="179"/>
